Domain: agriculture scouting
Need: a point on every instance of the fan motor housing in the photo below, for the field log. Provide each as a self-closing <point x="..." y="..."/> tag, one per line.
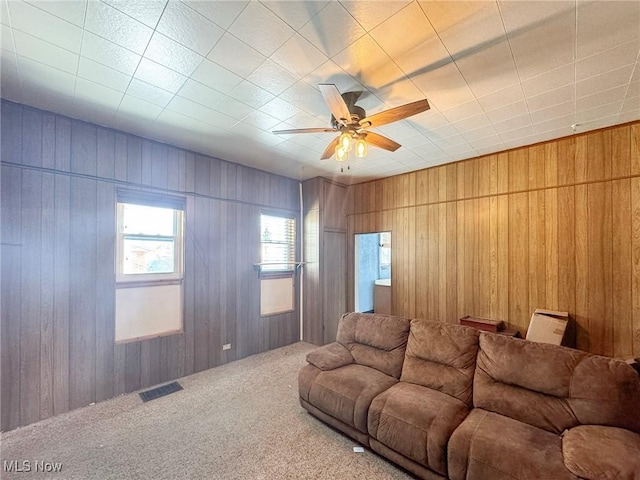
<point x="357" y="114"/>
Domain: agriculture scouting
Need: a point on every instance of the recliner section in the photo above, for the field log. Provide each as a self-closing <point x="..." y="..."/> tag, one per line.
<point x="447" y="401"/>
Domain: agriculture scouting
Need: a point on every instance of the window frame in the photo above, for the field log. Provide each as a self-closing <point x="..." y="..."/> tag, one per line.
<point x="292" y="263"/>
<point x="177" y="275"/>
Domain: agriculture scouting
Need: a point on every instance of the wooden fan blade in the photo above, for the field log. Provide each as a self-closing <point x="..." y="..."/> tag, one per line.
<point x="335" y="102"/>
<point x="381" y="142"/>
<point x="394" y="114"/>
<point x="304" y="130"/>
<point x="330" y="150"/>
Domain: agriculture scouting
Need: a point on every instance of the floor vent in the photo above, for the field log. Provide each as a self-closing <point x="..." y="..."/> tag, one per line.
<point x="160" y="391"/>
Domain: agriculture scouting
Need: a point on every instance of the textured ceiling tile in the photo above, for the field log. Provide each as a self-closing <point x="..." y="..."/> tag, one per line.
<point x="295" y="14"/>
<point x="501" y="98"/>
<point x="47" y="27"/>
<point x="215" y="76"/>
<point x="404" y="31"/>
<point x="508" y="111"/>
<point x="103" y="75"/>
<point x="261" y="28"/>
<point x="273" y="78"/>
<point x="169" y="120"/>
<point x="145" y="11"/>
<point x="463" y="111"/>
<point x="233" y="108"/>
<point x="547" y="125"/>
<point x="332" y="29"/>
<point x="6" y="39"/>
<point x="444" y="87"/>
<point x="551" y="98"/>
<point x="149" y="93"/>
<point x="70" y="10"/>
<point x="512" y="124"/>
<point x="608" y="60"/>
<point x="466" y="58"/>
<point x="115" y="26"/>
<point x="488" y="70"/>
<point x="399" y="92"/>
<point x="221" y="13"/>
<point x="474" y="127"/>
<point x="603" y="25"/>
<point x="541" y="34"/>
<point x="534" y="57"/>
<point x="605" y="81"/>
<point x="172" y="54"/>
<point x="251" y="94"/>
<point x="588" y="118"/>
<point x="188" y="27"/>
<point x="4" y="12"/>
<point x="139" y="108"/>
<point x="601" y="98"/>
<point x="261" y="120"/>
<point x="160" y="76"/>
<point x="235" y="55"/>
<point x="95" y="93"/>
<point x="49" y="78"/>
<point x="329" y="72"/>
<point x="558" y="77"/>
<point x="279" y="109"/>
<point x="299" y="56"/>
<point x="466" y="27"/>
<point x="371" y="13"/>
<point x="44" y="52"/>
<point x="374" y="68"/>
<point x="631" y="104"/>
<point x="197" y="111"/>
<point x="108" y="53"/>
<point x="200" y="93"/>
<point x="554" y="111"/>
<point x="305" y="97"/>
<point x="483" y="132"/>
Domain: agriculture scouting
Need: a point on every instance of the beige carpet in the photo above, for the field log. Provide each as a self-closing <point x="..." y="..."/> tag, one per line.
<point x="238" y="421"/>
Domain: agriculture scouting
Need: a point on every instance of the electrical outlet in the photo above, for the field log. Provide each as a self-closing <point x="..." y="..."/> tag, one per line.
<point x="226" y="346"/>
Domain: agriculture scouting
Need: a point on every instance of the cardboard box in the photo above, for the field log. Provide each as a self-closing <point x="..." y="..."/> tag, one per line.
<point x="483" y="323"/>
<point x="547" y="326"/>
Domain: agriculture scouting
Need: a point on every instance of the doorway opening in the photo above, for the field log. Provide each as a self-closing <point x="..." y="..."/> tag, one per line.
<point x="373" y="272"/>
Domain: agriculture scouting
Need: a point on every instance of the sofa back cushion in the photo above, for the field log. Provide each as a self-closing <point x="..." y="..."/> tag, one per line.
<point x="606" y="391"/>
<point x="441" y="356"/>
<point x="377" y="341"/>
<point x="554" y="387"/>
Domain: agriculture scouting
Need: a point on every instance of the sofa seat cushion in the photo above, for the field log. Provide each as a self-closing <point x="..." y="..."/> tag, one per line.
<point x="346" y="392"/>
<point x="596" y="452"/>
<point x="416" y="422"/>
<point x="491" y="446"/>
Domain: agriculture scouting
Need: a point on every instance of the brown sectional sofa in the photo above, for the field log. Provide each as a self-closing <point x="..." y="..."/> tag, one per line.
<point x="448" y="401"/>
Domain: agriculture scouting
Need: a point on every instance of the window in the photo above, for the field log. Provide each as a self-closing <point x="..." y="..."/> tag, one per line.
<point x="278" y="243"/>
<point x="149" y="243"/>
<point x="148" y="265"/>
<point x="278" y="263"/>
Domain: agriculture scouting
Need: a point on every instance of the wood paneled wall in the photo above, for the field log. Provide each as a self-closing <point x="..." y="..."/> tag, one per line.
<point x="59" y="181"/>
<point x="325" y="252"/>
<point x="553" y="225"/>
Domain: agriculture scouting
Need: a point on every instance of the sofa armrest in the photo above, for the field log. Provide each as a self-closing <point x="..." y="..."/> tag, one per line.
<point x="598" y="452"/>
<point x="329" y="357"/>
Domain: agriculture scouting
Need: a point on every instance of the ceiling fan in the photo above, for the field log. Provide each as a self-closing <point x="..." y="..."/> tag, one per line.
<point x="351" y="122"/>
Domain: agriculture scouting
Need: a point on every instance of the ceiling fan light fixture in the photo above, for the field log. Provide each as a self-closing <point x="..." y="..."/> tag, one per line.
<point x="345" y="141"/>
<point x="341" y="153"/>
<point x="361" y="148"/>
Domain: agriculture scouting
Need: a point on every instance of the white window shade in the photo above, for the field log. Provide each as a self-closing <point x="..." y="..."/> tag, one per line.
<point x="277" y="238"/>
